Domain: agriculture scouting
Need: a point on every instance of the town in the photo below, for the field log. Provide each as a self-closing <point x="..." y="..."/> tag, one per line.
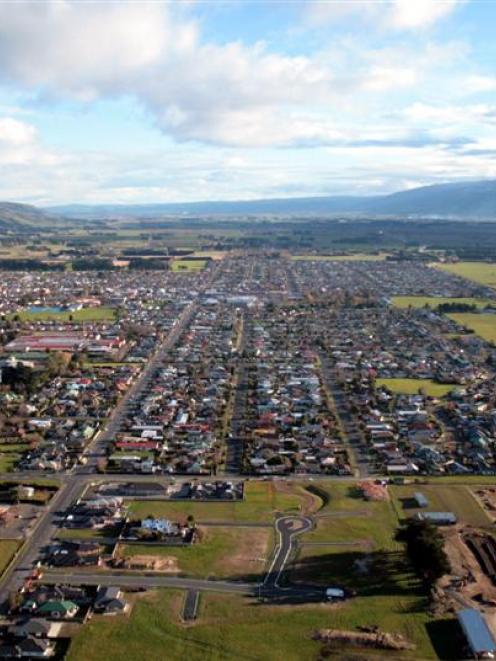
<point x="259" y="433"/>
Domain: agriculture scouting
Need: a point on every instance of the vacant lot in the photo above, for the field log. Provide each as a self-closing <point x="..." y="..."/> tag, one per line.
<point x="477" y="271"/>
<point x="412" y="386"/>
<point x="433" y="302"/>
<point x="221" y="553"/>
<point x="484" y="325"/>
<point x="7" y="549"/>
<point x="233" y="627"/>
<point x="442" y="498"/>
<point x="262" y="501"/>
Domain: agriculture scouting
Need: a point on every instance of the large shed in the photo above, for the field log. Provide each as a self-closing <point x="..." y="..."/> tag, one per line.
<point x="477" y="633"/>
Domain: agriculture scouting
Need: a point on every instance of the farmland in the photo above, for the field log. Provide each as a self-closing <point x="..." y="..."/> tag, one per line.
<point x="188" y="264"/>
<point x="481" y="272"/>
<point x="433" y="302"/>
<point x="483" y="325"/>
<point x="352" y="257"/>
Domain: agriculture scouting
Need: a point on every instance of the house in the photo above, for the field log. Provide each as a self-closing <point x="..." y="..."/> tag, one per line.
<point x="36" y="627"/>
<point x="59" y="609"/>
<point x="109" y="601"/>
<point x="35" y="648"/>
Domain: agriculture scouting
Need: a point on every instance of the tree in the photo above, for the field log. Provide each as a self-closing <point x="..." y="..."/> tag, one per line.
<point x="425" y="547"/>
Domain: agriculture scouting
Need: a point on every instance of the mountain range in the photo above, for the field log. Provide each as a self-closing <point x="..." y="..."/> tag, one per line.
<point x="468" y="200"/>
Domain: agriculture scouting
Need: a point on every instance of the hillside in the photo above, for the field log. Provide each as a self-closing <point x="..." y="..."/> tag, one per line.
<point x="458" y="200"/>
<point x="17" y="217"/>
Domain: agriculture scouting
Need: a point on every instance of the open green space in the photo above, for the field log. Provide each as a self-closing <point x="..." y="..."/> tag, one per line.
<point x="9" y="460"/>
<point x="412" y="386"/>
<point x="85" y="314"/>
<point x="483" y="325"/>
<point x="441" y="498"/>
<point x="221" y="553"/>
<point x="434" y="301"/>
<point x="7" y="549"/>
<point x="261" y="502"/>
<point x="234" y="627"/>
<point x="188" y="264"/>
<point x="481" y="272"/>
<point x="352" y="257"/>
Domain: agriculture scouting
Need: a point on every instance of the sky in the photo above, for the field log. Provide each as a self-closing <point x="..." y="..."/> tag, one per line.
<point x="107" y="101"/>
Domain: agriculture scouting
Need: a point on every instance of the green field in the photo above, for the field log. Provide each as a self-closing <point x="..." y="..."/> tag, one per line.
<point x="222" y="553"/>
<point x="483" y="325"/>
<point x="433" y="302"/>
<point x="480" y="272"/>
<point x="187" y="264"/>
<point x="262" y="500"/>
<point x="441" y="498"/>
<point x="233" y="627"/>
<point x="412" y="386"/>
<point x="7" y="549"/>
<point x="355" y="257"/>
<point x="86" y="314"/>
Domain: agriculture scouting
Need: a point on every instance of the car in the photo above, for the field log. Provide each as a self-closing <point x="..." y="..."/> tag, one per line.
<point x="335" y="594"/>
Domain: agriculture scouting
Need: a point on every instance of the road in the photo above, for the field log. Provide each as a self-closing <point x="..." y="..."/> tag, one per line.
<point x="147" y="581"/>
<point x="353" y="436"/>
<point x="73" y="484"/>
<point x="287" y="529"/>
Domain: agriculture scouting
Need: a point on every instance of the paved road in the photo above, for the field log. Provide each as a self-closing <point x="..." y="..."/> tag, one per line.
<point x="147" y="581"/>
<point x="191" y="603"/>
<point x="73" y="484"/>
<point x="287" y="529"/>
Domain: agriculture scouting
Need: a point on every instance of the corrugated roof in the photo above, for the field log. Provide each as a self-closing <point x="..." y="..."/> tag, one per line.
<point x="476" y="631"/>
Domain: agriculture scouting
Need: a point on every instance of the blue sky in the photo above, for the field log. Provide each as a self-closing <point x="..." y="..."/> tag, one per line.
<point x="170" y="101"/>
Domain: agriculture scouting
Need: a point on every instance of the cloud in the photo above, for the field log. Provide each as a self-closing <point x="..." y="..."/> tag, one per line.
<point x="229" y="94"/>
<point x="396" y="15"/>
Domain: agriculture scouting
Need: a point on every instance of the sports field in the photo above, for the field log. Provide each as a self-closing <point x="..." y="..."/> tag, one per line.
<point x="86" y="314"/>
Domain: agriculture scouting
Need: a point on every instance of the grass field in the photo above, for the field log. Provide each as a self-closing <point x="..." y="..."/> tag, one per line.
<point x="262" y="500"/>
<point x="188" y="264"/>
<point x="356" y="257"/>
<point x="234" y="627"/>
<point x="480" y="272"/>
<point x="7" y="549"/>
<point x="412" y="386"/>
<point x="441" y="498"/>
<point x="222" y="553"/>
<point x="483" y="325"/>
<point x="433" y="302"/>
<point x="86" y="314"/>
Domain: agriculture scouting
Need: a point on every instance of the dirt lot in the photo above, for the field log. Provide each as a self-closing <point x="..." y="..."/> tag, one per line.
<point x="487" y="498"/>
<point x="468" y="584"/>
<point x="18" y="520"/>
<point x="167" y="563"/>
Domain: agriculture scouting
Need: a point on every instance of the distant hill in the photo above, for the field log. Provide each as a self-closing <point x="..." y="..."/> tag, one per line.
<point x="460" y="200"/>
<point x="16" y="217"/>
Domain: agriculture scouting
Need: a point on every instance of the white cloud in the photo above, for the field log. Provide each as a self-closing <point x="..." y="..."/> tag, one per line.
<point x="230" y="94"/>
<point x="398" y="15"/>
<point x="15" y="133"/>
